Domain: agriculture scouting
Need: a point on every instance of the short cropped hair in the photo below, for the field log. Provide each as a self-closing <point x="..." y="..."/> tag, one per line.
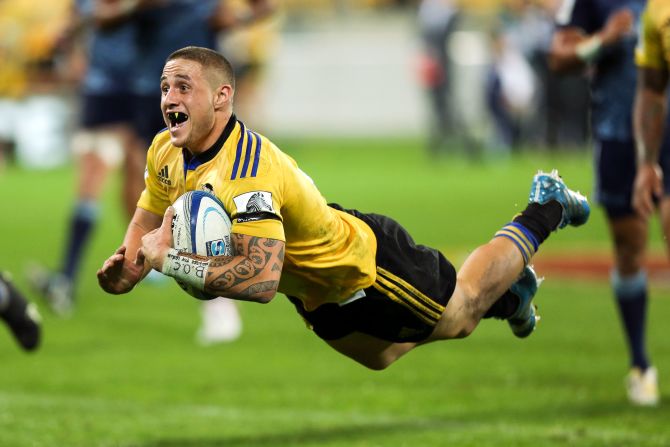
<point x="208" y="59"/>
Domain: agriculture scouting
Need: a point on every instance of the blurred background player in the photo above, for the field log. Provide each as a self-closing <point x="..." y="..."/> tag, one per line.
<point x="126" y="44"/>
<point x="599" y="35"/>
<point x="20" y="316"/>
<point x="437" y="21"/>
<point x="650" y="115"/>
<point x="105" y="137"/>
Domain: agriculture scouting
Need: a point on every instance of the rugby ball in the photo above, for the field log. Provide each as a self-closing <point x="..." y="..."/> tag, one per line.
<point x="200" y="225"/>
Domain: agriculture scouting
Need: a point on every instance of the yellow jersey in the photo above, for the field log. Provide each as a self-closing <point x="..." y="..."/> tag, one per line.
<point x="653" y="49"/>
<point x="329" y="254"/>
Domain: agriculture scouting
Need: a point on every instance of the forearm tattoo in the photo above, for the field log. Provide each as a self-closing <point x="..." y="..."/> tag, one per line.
<point x="246" y="275"/>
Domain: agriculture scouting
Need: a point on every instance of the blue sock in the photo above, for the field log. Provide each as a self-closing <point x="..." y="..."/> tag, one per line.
<point x="84" y="218"/>
<point x="631" y="298"/>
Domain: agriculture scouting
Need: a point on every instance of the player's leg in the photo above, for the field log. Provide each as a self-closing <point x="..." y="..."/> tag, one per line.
<point x="615" y="174"/>
<point x="629" y="284"/>
<point x="474" y="294"/>
<point x="135" y="160"/>
<point x="221" y="322"/>
<point x="20" y="316"/>
<point x="98" y="149"/>
<point x="497" y="268"/>
<point x="370" y="351"/>
<point x="486" y="275"/>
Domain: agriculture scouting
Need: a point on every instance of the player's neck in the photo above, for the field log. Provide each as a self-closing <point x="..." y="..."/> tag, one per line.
<point x="217" y="129"/>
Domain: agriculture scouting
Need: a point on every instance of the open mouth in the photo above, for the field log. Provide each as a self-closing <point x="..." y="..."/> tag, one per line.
<point x="177" y="119"/>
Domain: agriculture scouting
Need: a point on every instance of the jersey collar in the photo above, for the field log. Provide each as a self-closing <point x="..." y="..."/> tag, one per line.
<point x="193" y="161"/>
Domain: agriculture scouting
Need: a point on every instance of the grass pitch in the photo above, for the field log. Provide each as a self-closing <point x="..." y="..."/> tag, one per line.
<point x="126" y="371"/>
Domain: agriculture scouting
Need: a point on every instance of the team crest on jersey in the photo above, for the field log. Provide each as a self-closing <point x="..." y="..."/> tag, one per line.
<point x="254" y="202"/>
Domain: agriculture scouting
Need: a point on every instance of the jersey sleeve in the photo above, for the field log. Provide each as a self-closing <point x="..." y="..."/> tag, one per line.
<point x="154" y="198"/>
<point x="649" y="52"/>
<point x="256" y="213"/>
<point x="256" y="201"/>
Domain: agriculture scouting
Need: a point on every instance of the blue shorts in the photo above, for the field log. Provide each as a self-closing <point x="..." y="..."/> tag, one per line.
<point x="148" y="118"/>
<point x="615" y="168"/>
<point x="142" y="113"/>
<point x="106" y="110"/>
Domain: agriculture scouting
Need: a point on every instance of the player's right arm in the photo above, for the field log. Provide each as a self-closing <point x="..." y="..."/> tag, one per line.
<point x="251" y="274"/>
<point x="649" y="117"/>
<point x="649" y="113"/>
<point x="127" y="266"/>
<point x="573" y="49"/>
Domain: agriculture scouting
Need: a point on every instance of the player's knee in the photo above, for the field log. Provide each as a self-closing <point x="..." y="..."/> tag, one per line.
<point x="460" y="328"/>
<point x="376" y="363"/>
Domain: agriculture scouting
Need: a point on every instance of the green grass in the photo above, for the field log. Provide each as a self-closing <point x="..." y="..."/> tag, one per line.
<point x="125" y="371"/>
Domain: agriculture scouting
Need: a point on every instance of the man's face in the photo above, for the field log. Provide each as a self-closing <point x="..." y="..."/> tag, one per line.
<point x="187" y="102"/>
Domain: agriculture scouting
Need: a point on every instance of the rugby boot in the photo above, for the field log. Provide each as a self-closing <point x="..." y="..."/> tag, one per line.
<point x="523" y="320"/>
<point x="549" y="186"/>
<point x="21" y="317"/>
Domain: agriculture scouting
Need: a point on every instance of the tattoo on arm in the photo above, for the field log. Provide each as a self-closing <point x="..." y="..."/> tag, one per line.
<point x="255" y="268"/>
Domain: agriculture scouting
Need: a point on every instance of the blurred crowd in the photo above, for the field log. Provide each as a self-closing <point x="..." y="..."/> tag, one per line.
<point x="45" y="54"/>
<point x="485" y="59"/>
<point x="504" y="46"/>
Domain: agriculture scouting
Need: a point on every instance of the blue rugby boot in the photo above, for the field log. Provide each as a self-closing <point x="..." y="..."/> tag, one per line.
<point x="549" y="186"/>
<point x="523" y="320"/>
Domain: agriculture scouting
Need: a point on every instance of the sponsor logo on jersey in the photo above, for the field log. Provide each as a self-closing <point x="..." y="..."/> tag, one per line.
<point x="164" y="176"/>
<point x="251" y="205"/>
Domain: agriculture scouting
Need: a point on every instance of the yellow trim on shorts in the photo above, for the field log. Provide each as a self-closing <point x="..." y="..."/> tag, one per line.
<point x="408" y="296"/>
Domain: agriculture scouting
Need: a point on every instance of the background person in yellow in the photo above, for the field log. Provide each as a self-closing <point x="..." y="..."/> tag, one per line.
<point x="358" y="279"/>
<point x="29" y="37"/>
<point x="652" y="57"/>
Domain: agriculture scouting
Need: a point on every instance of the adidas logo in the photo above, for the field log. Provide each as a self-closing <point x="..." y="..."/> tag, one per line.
<point x="163" y="176"/>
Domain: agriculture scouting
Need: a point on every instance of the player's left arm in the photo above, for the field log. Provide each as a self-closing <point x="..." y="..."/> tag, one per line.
<point x="251" y="274"/>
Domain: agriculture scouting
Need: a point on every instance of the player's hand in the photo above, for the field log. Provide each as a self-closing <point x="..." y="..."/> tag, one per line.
<point x="648" y="186"/>
<point x="156" y="243"/>
<point x="119" y="274"/>
<point x="618" y="25"/>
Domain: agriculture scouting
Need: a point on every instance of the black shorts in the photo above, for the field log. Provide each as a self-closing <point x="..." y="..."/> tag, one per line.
<point x="412" y="288"/>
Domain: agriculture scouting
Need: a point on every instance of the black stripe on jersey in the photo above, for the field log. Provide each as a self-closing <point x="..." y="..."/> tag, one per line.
<point x="238" y="153"/>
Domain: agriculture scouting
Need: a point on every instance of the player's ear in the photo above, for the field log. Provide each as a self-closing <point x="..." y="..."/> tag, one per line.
<point x="223" y="96"/>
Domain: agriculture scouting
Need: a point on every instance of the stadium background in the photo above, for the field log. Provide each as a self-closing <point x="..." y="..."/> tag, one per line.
<point x="342" y="96"/>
